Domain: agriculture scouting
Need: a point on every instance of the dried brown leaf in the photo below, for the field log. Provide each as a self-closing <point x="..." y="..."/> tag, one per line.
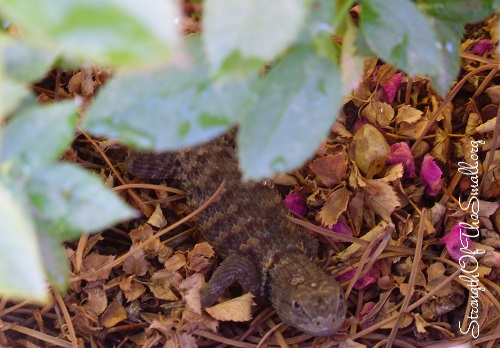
<point x="162" y="282"/>
<point x="199" y="264"/>
<point x="202" y="249"/>
<point x="285" y="179"/>
<point x="381" y="198"/>
<point x="435" y="270"/>
<point x="339" y="129"/>
<point x="136" y="264"/>
<point x="190" y="289"/>
<point x="113" y="314"/>
<point x="183" y="340"/>
<point x="491" y="184"/>
<point x="383" y="228"/>
<point x="131" y="290"/>
<point x="488" y="126"/>
<point x="92" y="267"/>
<point x="408" y="114"/>
<point x="97" y="300"/>
<point x="378" y="113"/>
<point x="143" y="233"/>
<point x="473" y="121"/>
<point x="355" y="209"/>
<point x="175" y="262"/>
<point x="494" y="94"/>
<point x="330" y="169"/>
<point x="395" y="172"/>
<point x="157" y="219"/>
<point x="441" y="146"/>
<point x="236" y="309"/>
<point x="334" y="206"/>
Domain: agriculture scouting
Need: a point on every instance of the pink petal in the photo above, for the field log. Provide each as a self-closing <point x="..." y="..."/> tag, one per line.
<point x="296" y="203"/>
<point x="430" y="173"/>
<point x="401" y="153"/>
<point x="358" y="125"/>
<point x="342" y="228"/>
<point x="391" y="86"/>
<point x="366" y="280"/>
<point x="454" y="241"/>
<point x="481" y="47"/>
<point x="367" y="308"/>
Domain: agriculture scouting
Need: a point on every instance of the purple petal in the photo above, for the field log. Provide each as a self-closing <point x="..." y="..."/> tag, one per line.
<point x="296" y="203"/>
<point x="342" y="228"/>
<point x="391" y="86"/>
<point x="358" y="125"/>
<point x="430" y="173"/>
<point x="367" y="308"/>
<point x="481" y="47"/>
<point x="455" y="240"/>
<point x="401" y="153"/>
<point x="366" y="280"/>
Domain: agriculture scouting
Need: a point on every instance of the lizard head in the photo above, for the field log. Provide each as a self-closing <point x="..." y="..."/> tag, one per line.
<point x="306" y="298"/>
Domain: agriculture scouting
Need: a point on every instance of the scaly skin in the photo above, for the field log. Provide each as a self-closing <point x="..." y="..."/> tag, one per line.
<point x="247" y="225"/>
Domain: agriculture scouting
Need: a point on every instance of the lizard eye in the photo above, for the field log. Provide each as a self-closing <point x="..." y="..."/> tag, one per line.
<point x="296" y="306"/>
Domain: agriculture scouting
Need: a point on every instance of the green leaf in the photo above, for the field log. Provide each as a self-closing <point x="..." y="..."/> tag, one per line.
<point x="23" y="62"/>
<point x="352" y="65"/>
<point x="401" y="35"/>
<point x="167" y="109"/>
<point x="458" y="11"/>
<point x="110" y="32"/>
<point x="38" y="135"/>
<point x="299" y="101"/>
<point x="69" y="201"/>
<point x="11" y="94"/>
<point x="21" y="271"/>
<point x="55" y="260"/>
<point x="319" y="20"/>
<point x="449" y="35"/>
<point x="250" y="29"/>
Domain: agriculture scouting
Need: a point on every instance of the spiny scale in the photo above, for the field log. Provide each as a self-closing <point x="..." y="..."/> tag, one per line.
<point x="247" y="218"/>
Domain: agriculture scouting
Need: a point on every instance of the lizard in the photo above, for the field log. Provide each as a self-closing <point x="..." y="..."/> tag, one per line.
<point x="263" y="251"/>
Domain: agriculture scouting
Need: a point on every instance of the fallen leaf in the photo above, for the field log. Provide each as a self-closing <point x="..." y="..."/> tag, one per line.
<point x="97" y="300"/>
<point x="236" y="309"/>
<point x="190" y="290"/>
<point x="157" y="219"/>
<point x="162" y="282"/>
<point x="330" y="169"/>
<point x="435" y="270"/>
<point x="408" y="114"/>
<point x="494" y="94"/>
<point x="488" y="126"/>
<point x="136" y="264"/>
<point x="113" y="314"/>
<point x="92" y="267"/>
<point x="378" y="113"/>
<point x="175" y="262"/>
<point x="381" y="198"/>
<point x="202" y="249"/>
<point x="383" y="228"/>
<point x="131" y="289"/>
<point x="335" y="205"/>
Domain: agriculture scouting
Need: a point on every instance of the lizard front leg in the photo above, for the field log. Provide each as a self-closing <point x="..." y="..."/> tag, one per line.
<point x="234" y="268"/>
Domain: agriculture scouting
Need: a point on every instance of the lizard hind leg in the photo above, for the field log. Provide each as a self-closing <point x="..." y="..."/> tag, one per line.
<point x="237" y="268"/>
